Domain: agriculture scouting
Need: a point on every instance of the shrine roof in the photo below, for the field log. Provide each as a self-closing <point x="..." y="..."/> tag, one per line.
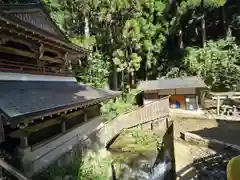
<point x="172" y="83"/>
<point x="34" y="14"/>
<point x="35" y="18"/>
<point x="26" y="96"/>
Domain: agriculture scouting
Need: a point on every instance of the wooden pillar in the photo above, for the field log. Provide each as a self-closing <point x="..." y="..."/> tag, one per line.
<point x="63" y="126"/>
<point x="197" y="102"/>
<point x="85" y="116"/>
<point x="24" y="142"/>
<point x="218" y="105"/>
<point x="235" y="112"/>
<point x="152" y="125"/>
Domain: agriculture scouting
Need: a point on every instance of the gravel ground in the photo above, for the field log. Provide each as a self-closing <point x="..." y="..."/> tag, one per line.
<point x="201" y="163"/>
<point x="185" y="155"/>
<point x="196" y="162"/>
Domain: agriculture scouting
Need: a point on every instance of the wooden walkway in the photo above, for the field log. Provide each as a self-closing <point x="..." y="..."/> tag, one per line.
<point x="152" y="113"/>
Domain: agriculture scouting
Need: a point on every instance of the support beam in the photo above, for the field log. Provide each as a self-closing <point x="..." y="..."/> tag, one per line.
<point x="85" y="117"/>
<point x="235" y="111"/>
<point x="24" y="142"/>
<point x="152" y="125"/>
<point x="41" y="51"/>
<point x="197" y="102"/>
<point x="63" y="126"/>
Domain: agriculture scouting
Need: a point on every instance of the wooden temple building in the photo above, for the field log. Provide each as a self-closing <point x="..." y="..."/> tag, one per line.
<point x="185" y="93"/>
<point x="44" y="111"/>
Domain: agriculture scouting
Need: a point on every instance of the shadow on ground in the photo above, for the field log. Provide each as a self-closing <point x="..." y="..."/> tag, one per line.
<point x="213" y="167"/>
<point x="226" y="131"/>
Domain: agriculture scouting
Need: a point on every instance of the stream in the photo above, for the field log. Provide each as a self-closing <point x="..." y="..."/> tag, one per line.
<point x="140" y="155"/>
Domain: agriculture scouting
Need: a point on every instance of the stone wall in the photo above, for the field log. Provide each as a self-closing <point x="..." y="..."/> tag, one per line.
<point x="95" y="141"/>
<point x="69" y="144"/>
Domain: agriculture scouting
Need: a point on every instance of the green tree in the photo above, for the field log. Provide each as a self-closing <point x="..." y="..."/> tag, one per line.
<point x="216" y="64"/>
<point x="149" y="38"/>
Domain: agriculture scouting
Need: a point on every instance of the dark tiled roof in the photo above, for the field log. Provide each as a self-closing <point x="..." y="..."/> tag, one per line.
<point x="175" y="83"/>
<point x="31" y="96"/>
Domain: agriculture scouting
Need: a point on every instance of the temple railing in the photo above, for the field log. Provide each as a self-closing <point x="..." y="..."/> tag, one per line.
<point x="21" y="67"/>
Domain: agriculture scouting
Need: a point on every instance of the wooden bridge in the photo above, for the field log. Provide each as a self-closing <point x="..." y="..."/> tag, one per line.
<point x="154" y="114"/>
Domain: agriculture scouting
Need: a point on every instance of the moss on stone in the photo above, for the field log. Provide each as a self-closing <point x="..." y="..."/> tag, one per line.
<point x="135" y="144"/>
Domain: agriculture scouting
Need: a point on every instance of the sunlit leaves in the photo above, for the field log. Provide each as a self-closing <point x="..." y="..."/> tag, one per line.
<point x="131" y="30"/>
<point x="135" y="61"/>
<point x="159" y="7"/>
<point x="216" y="63"/>
<point x="96" y="72"/>
<point x="147" y="45"/>
<point x="215" y="3"/>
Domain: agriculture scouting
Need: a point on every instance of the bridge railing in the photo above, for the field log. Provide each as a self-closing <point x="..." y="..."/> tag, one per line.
<point x="151" y="111"/>
<point x="154" y="111"/>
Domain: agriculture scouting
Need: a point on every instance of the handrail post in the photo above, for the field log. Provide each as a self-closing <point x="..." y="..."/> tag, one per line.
<point x="166" y="121"/>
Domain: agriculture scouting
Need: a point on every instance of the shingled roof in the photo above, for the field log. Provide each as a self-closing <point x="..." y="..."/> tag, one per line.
<point x="174" y="83"/>
<point x="32" y="96"/>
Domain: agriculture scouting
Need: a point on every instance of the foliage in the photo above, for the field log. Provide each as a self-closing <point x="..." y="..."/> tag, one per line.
<point x="56" y="170"/>
<point x="96" y="71"/>
<point x="142" y="38"/>
<point x="122" y="105"/>
<point x="96" y="166"/>
<point x="216" y="63"/>
<point x="134" y="143"/>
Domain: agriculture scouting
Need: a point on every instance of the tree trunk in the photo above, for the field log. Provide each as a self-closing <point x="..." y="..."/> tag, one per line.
<point x="203" y="24"/>
<point x="86" y="25"/>
<point x="122" y="82"/>
<point x="229" y="32"/>
<point x="114" y="77"/>
<point x="133" y="79"/>
<point x="180" y="39"/>
<point x="130" y="79"/>
<point x="146" y="71"/>
<point x="223" y="19"/>
<point x="110" y="51"/>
